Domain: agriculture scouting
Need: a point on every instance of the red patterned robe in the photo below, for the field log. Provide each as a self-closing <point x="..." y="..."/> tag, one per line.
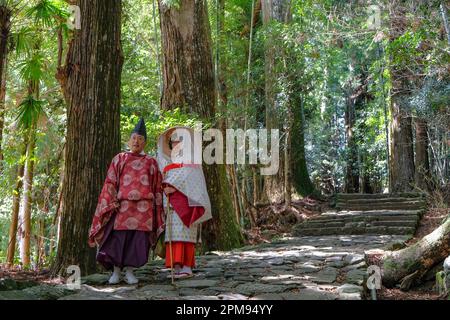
<point x="133" y="192"/>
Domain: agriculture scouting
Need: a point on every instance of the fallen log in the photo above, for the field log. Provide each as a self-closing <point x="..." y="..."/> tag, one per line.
<point x="407" y="266"/>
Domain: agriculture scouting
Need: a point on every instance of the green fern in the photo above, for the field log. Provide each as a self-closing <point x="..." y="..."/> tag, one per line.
<point x="23" y="40"/>
<point x="32" y="69"/>
<point x="30" y="110"/>
<point x="47" y="12"/>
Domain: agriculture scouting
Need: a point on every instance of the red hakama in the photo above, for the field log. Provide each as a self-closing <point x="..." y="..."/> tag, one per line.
<point x="183" y="252"/>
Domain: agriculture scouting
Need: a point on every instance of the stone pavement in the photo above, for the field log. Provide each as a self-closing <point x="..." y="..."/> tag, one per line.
<point x="298" y="268"/>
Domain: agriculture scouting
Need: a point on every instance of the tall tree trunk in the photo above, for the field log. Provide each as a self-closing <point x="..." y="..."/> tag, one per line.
<point x="24" y="230"/>
<point x="222" y="104"/>
<point x="233" y="181"/>
<point x="5" y="25"/>
<point x="287" y="169"/>
<point x="352" y="169"/>
<point x="15" y="208"/>
<point x="188" y="82"/>
<point x="274" y="10"/>
<point x="422" y="161"/>
<point x="2" y="110"/>
<point x="40" y="243"/>
<point x="90" y="82"/>
<point x="25" y="210"/>
<point x="300" y="175"/>
<point x="443" y="9"/>
<point x="402" y="155"/>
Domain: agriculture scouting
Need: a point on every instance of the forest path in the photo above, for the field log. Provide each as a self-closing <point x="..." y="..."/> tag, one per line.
<point x="294" y="268"/>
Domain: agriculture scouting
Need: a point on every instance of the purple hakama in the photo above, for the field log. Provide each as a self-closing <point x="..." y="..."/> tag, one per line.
<point x="123" y="248"/>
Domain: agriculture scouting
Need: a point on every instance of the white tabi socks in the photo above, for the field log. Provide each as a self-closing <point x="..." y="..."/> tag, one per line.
<point x="129" y="276"/>
<point x="115" y="277"/>
<point x="186" y="269"/>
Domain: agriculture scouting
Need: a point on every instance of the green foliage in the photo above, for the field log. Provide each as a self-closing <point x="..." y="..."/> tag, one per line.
<point x="156" y="124"/>
<point x="30" y="110"/>
<point x="32" y="69"/>
<point x="140" y="90"/>
<point x="47" y="12"/>
<point x="23" y="39"/>
<point x="5" y="208"/>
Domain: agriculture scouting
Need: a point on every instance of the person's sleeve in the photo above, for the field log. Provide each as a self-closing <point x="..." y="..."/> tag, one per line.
<point x="107" y="201"/>
<point x="158" y="192"/>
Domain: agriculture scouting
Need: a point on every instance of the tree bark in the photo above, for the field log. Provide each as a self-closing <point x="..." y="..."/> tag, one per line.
<point x="24" y="230"/>
<point x="300" y="175"/>
<point x="401" y="155"/>
<point x="5" y="26"/>
<point x="25" y="212"/>
<point x="188" y="83"/>
<point x="90" y="81"/>
<point x="15" y="209"/>
<point x="273" y="10"/>
<point x="234" y="188"/>
<point x="287" y="171"/>
<point x="422" y="157"/>
<point x="352" y="168"/>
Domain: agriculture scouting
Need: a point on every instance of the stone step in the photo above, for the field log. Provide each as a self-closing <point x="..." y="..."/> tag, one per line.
<point x="382" y="200"/>
<point x="349" y="196"/>
<point x="372" y="214"/>
<point x="367" y="219"/>
<point x="354" y="231"/>
<point x="390" y="214"/>
<point x="402" y="222"/>
<point x="342" y="223"/>
<point x="379" y="206"/>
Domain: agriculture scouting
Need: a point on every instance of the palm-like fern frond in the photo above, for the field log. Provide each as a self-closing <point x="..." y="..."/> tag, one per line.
<point x="47" y="12"/>
<point x="23" y="39"/>
<point x="32" y="69"/>
<point x="30" y="110"/>
<point x="11" y="4"/>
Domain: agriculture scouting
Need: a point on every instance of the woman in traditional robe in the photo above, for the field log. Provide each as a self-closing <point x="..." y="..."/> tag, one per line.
<point x="189" y="205"/>
<point x="129" y="215"/>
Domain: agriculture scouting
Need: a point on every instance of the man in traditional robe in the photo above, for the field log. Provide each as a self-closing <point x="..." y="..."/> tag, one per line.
<point x="189" y="205"/>
<point x="129" y="216"/>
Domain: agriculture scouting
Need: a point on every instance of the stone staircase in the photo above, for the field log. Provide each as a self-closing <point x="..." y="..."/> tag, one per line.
<point x="390" y="214"/>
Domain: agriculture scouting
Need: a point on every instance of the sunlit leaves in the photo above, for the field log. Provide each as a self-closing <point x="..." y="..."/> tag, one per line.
<point x="46" y="12"/>
<point x="157" y="124"/>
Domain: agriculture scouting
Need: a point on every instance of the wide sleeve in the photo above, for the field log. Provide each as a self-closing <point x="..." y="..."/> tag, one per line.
<point x="107" y="201"/>
<point x="158" y="207"/>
